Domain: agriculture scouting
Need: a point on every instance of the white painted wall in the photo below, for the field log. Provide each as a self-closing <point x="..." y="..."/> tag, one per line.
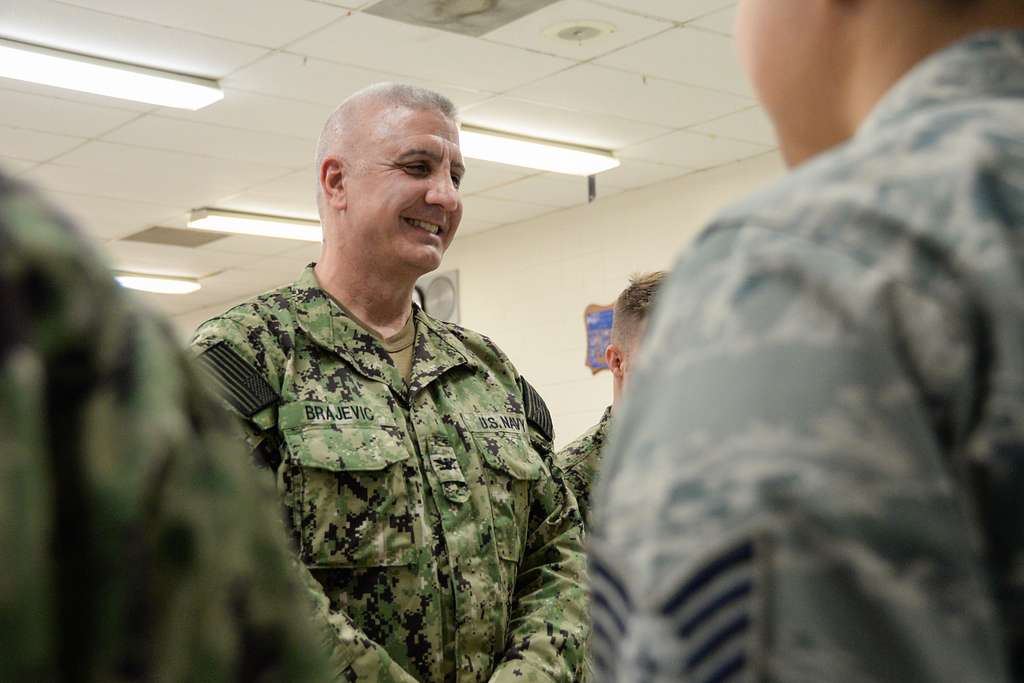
<point x="526" y="285"/>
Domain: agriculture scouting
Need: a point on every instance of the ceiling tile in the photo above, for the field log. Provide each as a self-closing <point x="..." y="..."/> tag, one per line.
<point x="285" y="268"/>
<point x="265" y="113"/>
<point x="348" y="4"/>
<point x="293" y="186"/>
<point x="15" y="166"/>
<point x="676" y="10"/>
<point x="555" y="123"/>
<point x="633" y="173"/>
<point x="252" y="246"/>
<point x="693" y="149"/>
<point x="169" y="304"/>
<point x="538" y="31"/>
<point x="328" y="83"/>
<point x="472" y="18"/>
<point x="105" y="219"/>
<point x="685" y="55"/>
<point x="125" y="172"/>
<point x="500" y="210"/>
<point x="233" y="284"/>
<point x="428" y="54"/>
<point x="36" y="112"/>
<point x="552" y="189"/>
<point x="473" y="227"/>
<point x="752" y="125"/>
<point x="723" y="21"/>
<point x="483" y="175"/>
<point x="220" y="142"/>
<point x="65" y="27"/>
<point x="270" y="24"/>
<point x="303" y="206"/>
<point x="631" y="96"/>
<point x="35" y="146"/>
<point x="159" y="259"/>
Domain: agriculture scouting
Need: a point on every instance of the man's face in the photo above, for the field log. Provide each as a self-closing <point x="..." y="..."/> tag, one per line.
<point x="402" y="205"/>
<point x="789" y="50"/>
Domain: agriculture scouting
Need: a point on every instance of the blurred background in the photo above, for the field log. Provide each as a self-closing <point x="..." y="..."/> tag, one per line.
<point x="653" y="84"/>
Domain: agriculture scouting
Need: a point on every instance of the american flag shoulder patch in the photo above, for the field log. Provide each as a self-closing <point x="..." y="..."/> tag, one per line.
<point x="236" y="380"/>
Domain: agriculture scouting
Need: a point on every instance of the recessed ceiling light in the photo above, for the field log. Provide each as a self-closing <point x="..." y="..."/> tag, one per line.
<point x="34" y="64"/>
<point x="579" y="31"/>
<point x="158" y="284"/>
<point x="543" y="155"/>
<point x="255" y="224"/>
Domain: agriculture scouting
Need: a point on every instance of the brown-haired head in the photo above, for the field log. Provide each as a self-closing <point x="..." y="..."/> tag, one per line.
<point x="633" y="306"/>
<point x="632" y="309"/>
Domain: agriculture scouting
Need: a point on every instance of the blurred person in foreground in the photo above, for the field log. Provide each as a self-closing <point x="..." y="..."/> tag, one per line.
<point x="580" y="461"/>
<point x="410" y="455"/>
<point x="819" y="475"/>
<point x="136" y="544"/>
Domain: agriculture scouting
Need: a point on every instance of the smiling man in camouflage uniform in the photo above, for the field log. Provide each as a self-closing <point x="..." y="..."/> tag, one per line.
<point x="819" y="475"/>
<point x="410" y="455"/>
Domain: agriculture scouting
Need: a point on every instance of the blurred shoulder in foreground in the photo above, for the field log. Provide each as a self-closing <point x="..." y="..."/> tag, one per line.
<point x="133" y="550"/>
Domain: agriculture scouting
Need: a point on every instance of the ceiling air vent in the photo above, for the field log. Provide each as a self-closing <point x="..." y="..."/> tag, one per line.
<point x="468" y="17"/>
<point x="175" y="237"/>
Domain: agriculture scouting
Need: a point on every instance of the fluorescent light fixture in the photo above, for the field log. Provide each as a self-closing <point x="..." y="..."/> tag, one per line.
<point x="502" y="148"/>
<point x="255" y="224"/>
<point x="42" y="65"/>
<point x="158" y="284"/>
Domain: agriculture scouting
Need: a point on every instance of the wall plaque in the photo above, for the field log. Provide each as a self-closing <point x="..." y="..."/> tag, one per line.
<point x="598" y="321"/>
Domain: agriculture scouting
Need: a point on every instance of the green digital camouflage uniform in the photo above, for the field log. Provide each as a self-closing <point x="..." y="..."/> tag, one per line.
<point x="136" y="545"/>
<point x="425" y="510"/>
<point x="818" y="475"/>
<point x="580" y="460"/>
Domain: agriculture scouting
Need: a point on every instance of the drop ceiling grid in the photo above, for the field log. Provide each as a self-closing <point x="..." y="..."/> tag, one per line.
<point x="127" y="166"/>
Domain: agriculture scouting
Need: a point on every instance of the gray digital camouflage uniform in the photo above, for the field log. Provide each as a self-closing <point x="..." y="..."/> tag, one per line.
<point x="580" y="461"/>
<point x="136" y="545"/>
<point x="819" y="471"/>
<point x="426" y="511"/>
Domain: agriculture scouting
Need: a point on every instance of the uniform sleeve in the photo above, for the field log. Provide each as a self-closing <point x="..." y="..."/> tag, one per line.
<point x="777" y="502"/>
<point x="577" y="464"/>
<point x="238" y="354"/>
<point x="141" y="546"/>
<point x="549" y="624"/>
<point x="578" y="479"/>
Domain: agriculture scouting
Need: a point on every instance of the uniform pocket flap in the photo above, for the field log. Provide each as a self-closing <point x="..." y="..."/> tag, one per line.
<point x="509" y="453"/>
<point x="356" y="449"/>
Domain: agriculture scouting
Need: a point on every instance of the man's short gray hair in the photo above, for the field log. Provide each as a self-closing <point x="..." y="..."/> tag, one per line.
<point x="401" y="94"/>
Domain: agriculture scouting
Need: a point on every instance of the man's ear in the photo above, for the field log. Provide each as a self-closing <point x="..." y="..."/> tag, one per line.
<point x="613" y="357"/>
<point x="332" y="183"/>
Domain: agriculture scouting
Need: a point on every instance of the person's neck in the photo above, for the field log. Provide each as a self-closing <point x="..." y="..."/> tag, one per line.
<point x="381" y="301"/>
<point x="885" y="52"/>
<point x="890" y="52"/>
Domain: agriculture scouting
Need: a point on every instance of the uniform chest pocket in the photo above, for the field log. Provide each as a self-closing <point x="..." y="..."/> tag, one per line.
<point x="352" y="494"/>
<point x="511" y="468"/>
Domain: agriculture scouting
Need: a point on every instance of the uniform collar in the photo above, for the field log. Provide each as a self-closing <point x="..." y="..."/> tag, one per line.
<point x="436" y="349"/>
<point x="602" y="426"/>
<point x="989" y="64"/>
